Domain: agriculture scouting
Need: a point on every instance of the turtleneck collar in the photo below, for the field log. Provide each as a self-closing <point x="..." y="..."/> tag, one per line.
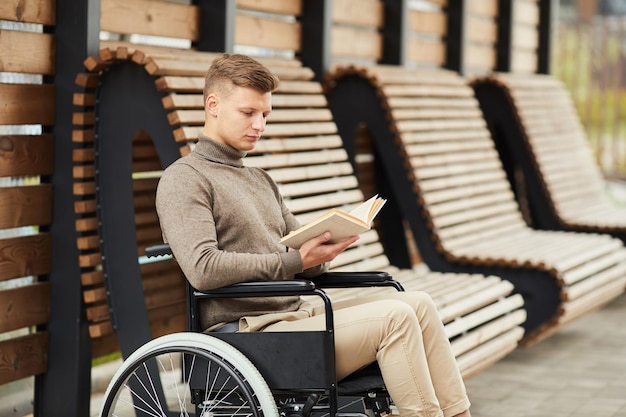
<point x="218" y="152"/>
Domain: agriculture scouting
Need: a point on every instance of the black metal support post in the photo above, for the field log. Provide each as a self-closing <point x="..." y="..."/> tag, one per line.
<point x="547" y="22"/>
<point x="316" y="20"/>
<point x="65" y="389"/>
<point x="395" y="32"/>
<point x="504" y="44"/>
<point x="455" y="52"/>
<point x="217" y="25"/>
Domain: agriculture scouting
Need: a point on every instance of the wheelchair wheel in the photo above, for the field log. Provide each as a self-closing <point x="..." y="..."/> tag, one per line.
<point x="188" y="374"/>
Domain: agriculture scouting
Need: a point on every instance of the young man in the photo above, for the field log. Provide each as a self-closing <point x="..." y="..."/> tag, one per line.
<point x="224" y="221"/>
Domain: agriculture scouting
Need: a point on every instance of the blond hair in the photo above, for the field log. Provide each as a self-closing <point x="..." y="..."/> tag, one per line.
<point x="228" y="70"/>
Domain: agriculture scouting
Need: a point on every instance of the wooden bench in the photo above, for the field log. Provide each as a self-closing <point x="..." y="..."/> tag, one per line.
<point x="304" y="154"/>
<point x="534" y="121"/>
<point x="445" y="173"/>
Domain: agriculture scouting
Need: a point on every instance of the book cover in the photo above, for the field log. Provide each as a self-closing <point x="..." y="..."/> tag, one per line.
<point x="339" y="223"/>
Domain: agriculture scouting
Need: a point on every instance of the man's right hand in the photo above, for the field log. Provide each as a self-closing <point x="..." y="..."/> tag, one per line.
<point x="317" y="251"/>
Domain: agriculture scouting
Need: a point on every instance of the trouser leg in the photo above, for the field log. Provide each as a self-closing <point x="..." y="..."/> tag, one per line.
<point x="441" y="365"/>
<point x="387" y="328"/>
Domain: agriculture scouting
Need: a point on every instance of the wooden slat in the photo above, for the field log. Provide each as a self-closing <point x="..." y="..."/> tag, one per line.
<point x="524" y="61"/>
<point x="525" y="37"/>
<point x="526" y="12"/>
<point x="27" y="104"/>
<point x="427" y="51"/>
<point x="367" y="13"/>
<point x="267" y="33"/>
<point x="482" y="30"/>
<point x="26" y="52"/>
<point x="285" y="7"/>
<point x="356" y="43"/>
<point x="23" y="357"/>
<point x="431" y="22"/>
<point x="304" y="143"/>
<point x="24" y="256"/>
<point x="33" y="11"/>
<point x="300" y="173"/>
<point x="483" y="8"/>
<point x="25" y="206"/>
<point x="299" y="159"/>
<point x="481" y="56"/>
<point x="156" y="18"/>
<point x="317" y="186"/>
<point x="24" y="306"/>
<point x="26" y="155"/>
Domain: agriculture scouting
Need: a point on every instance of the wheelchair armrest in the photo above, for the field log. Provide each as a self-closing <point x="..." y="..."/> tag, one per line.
<point x="158" y="250"/>
<point x="356" y="279"/>
<point x="270" y="289"/>
<point x="260" y="289"/>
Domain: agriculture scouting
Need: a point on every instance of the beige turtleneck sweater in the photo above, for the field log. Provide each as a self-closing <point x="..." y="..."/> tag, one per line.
<point x="224" y="221"/>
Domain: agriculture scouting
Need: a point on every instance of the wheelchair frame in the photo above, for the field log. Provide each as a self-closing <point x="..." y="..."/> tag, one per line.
<point x="249" y="373"/>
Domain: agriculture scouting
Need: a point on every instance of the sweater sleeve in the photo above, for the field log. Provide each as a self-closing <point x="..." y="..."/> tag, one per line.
<point x="184" y="207"/>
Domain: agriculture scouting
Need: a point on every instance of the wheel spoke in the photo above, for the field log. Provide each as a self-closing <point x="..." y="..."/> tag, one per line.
<point x="188" y="380"/>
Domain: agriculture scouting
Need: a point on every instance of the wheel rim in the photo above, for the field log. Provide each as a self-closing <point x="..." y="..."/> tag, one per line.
<point x="181" y="381"/>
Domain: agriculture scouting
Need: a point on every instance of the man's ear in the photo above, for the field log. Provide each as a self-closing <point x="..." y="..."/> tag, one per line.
<point x="211" y="105"/>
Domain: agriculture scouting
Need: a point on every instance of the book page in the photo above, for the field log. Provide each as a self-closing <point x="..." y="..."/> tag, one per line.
<point x="369" y="209"/>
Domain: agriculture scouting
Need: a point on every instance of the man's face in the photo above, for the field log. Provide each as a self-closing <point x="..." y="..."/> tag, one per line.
<point x="239" y="116"/>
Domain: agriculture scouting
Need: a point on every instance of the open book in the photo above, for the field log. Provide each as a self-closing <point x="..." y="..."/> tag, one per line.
<point x="339" y="223"/>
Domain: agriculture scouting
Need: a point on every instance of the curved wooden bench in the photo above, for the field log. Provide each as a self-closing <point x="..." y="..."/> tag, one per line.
<point x="445" y="172"/>
<point x="301" y="151"/>
<point x="536" y="124"/>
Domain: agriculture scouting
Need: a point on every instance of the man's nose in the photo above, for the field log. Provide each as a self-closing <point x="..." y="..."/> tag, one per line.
<point x="259" y="123"/>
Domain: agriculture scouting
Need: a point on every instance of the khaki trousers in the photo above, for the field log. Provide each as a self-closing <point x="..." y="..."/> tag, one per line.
<point x="404" y="333"/>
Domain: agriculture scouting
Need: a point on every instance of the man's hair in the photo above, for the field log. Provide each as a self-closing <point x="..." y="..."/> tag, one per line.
<point x="228" y="70"/>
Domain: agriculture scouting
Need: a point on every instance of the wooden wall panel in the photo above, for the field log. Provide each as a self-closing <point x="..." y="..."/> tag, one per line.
<point x="32" y="11"/>
<point x="481" y="30"/>
<point x="23" y="256"/>
<point x="428" y="32"/>
<point x="25" y="206"/>
<point x="356" y="43"/>
<point x="24" y="306"/>
<point x="366" y="13"/>
<point x="355" y="33"/>
<point x="27" y="104"/>
<point x="283" y="7"/>
<point x="428" y="22"/>
<point x="267" y="33"/>
<point x="150" y="17"/>
<point x="26" y="52"/>
<point x="427" y="52"/>
<point x="23" y="356"/>
<point x="25" y="155"/>
<point x="525" y="36"/>
<point x="481" y="36"/>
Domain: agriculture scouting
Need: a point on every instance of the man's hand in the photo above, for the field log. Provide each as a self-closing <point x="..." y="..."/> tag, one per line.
<point x="316" y="251"/>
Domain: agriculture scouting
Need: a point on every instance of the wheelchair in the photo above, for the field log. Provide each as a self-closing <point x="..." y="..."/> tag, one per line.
<point x="261" y="374"/>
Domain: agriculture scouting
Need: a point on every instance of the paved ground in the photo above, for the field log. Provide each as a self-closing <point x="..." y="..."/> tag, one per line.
<point x="578" y="372"/>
